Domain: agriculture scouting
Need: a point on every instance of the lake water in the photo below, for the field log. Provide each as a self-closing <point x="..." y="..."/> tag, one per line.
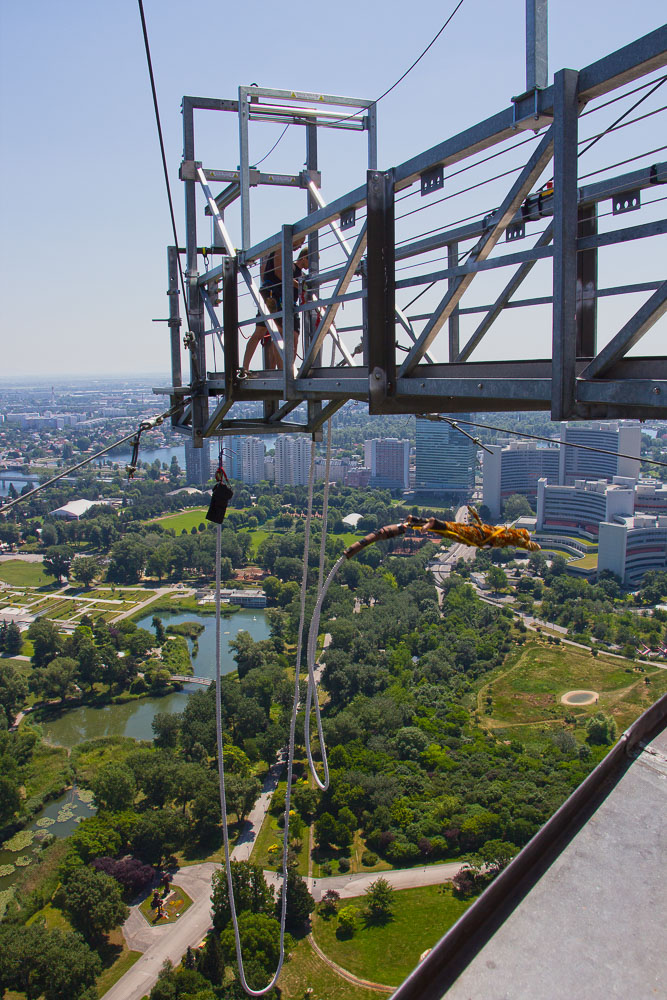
<point x="59" y="817"/>
<point x="134" y="718"/>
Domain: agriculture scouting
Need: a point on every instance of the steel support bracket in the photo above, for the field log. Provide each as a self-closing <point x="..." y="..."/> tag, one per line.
<point x="537" y="119"/>
<point x="626" y="201"/>
<point x="306" y="176"/>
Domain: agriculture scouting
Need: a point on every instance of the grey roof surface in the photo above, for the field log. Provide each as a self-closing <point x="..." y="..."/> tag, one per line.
<point x="595" y="925"/>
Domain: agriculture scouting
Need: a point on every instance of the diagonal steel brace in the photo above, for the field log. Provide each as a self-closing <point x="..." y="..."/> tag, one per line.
<point x="247" y="277"/>
<point x="502" y="217"/>
<point x="508" y="291"/>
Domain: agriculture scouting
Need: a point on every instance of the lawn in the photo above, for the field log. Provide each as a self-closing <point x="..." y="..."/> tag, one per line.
<point x="257" y="536"/>
<point x="387" y="953"/>
<point x="174" y="906"/>
<point x="589" y="561"/>
<point x="530" y="691"/>
<point x="112" y="974"/>
<point x="187" y="519"/>
<point x="52" y="916"/>
<point x="19" y="573"/>
<point x="305" y="970"/>
<point x="269" y="834"/>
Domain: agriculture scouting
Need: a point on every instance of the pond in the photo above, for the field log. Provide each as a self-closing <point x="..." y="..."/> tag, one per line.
<point x="59" y="817"/>
<point x="579" y="697"/>
<point x="251" y="620"/>
<point x="134" y="718"/>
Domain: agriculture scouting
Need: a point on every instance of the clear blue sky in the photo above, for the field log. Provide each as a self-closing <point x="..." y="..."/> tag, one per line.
<point x="85" y="221"/>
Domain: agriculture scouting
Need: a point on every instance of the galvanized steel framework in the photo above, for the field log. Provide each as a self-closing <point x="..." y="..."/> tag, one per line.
<point x="577" y="382"/>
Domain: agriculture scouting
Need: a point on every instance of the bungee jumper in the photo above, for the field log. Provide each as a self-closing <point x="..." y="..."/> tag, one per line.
<point x="478" y="534"/>
<point x="271" y="290"/>
<point x="221" y="495"/>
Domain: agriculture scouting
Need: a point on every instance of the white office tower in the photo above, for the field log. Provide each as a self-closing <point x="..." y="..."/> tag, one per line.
<point x="631" y="546"/>
<point x="389" y="462"/>
<point x="197" y="463"/>
<point x="252" y="459"/>
<point x="516" y="468"/>
<point x="292" y="460"/>
<point x="579" y="463"/>
<point x="580" y="509"/>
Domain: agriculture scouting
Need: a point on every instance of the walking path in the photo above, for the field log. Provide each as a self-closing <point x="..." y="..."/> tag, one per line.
<point x="399" y="878"/>
<point x="170" y="941"/>
<point x="159" y="592"/>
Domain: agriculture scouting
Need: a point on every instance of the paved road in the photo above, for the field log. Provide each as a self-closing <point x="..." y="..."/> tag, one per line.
<point x="445" y="560"/>
<point x="171" y="940"/>
<point x="23" y="556"/>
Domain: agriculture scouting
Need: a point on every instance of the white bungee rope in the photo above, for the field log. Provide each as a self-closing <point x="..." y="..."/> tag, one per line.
<point x="311" y="694"/>
<point x="290" y="755"/>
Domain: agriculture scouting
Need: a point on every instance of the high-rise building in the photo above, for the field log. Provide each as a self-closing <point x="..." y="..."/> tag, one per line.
<point x="389" y="462"/>
<point x="516" y="468"/>
<point x="252" y="459"/>
<point x="197" y="463"/>
<point x="292" y="460"/>
<point x="232" y="457"/>
<point x="445" y="459"/>
<point x="621" y="440"/>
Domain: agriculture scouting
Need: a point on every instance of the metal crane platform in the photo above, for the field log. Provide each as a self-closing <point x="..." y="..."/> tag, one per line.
<point x="556" y="226"/>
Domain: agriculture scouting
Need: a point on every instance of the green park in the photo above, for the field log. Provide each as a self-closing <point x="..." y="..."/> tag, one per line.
<point x="424" y="694"/>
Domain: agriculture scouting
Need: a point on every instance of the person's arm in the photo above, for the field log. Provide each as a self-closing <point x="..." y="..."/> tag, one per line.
<point x="302" y="260"/>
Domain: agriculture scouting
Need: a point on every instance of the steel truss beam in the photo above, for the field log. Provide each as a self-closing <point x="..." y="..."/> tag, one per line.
<point x="501" y="219"/>
<point x="578" y="381"/>
<point x="631" y="334"/>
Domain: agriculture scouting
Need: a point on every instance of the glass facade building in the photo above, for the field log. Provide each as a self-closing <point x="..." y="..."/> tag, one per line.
<point x="445" y="459"/>
<point x="197" y="463"/>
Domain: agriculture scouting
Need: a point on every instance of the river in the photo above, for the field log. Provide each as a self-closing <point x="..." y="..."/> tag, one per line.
<point x="18" y="480"/>
<point x="134" y="718"/>
<point x="121" y="456"/>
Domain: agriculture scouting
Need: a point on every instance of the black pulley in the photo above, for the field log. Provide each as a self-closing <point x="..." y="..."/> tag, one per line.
<point x="222" y="494"/>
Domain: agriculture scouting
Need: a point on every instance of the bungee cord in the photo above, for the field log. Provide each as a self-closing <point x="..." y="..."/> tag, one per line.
<point x="312" y="692"/>
<point x="290" y="751"/>
<point x="189" y="339"/>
